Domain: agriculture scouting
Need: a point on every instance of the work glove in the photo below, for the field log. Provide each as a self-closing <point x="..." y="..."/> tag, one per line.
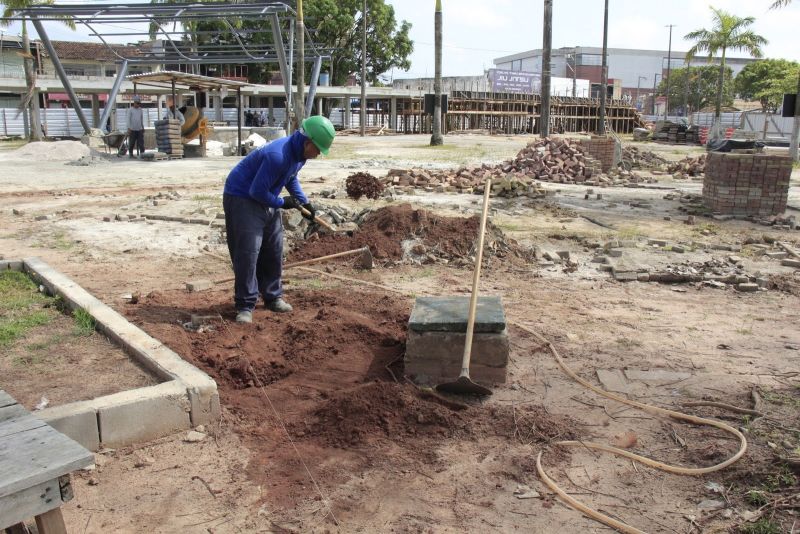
<point x="289" y="203"/>
<point x="311" y="210"/>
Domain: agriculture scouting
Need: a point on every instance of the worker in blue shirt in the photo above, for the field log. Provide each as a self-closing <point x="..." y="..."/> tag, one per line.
<point x="253" y="205"/>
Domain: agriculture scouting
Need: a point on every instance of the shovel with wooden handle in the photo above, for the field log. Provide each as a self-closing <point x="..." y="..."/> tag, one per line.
<point x="317" y="220"/>
<point x="463" y="384"/>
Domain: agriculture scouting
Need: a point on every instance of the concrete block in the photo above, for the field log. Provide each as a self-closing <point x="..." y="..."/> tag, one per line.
<point x="450" y="314"/>
<point x="143" y="414"/>
<point x="791" y="263"/>
<point x="657" y="242"/>
<point x="9" y="265"/>
<point x="76" y="420"/>
<point x="433" y="373"/>
<point x="488" y="349"/>
<point x="199" y="285"/>
<point x="747" y="288"/>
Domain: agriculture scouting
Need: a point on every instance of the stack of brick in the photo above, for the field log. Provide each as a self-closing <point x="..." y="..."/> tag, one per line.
<point x="168" y="137"/>
<point x="746" y="184"/>
<point x="601" y="148"/>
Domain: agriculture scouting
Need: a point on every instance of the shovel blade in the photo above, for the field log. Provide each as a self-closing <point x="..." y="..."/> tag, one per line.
<point x="463" y="386"/>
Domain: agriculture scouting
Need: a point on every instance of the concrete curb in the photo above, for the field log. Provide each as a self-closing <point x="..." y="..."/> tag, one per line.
<point x="188" y="397"/>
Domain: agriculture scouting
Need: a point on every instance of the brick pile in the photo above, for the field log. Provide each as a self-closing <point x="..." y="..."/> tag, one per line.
<point x="547" y="160"/>
<point x="636" y="158"/>
<point x="746" y="184"/>
<point x="688" y="166"/>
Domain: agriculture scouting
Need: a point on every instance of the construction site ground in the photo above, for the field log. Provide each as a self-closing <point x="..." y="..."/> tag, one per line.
<point x="384" y="455"/>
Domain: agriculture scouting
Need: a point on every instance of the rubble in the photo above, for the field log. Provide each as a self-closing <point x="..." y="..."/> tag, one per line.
<point x="688" y="166"/>
<point x="636" y="158"/>
<point x="547" y="160"/>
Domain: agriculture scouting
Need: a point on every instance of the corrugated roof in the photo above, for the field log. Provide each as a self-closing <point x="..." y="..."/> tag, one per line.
<point x="92" y="51"/>
<point x="163" y="79"/>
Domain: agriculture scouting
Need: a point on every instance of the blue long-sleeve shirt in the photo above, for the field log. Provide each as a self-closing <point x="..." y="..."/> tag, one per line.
<point x="266" y="171"/>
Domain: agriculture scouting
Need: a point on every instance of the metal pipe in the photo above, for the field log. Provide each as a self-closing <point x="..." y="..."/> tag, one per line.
<point x="62" y="74"/>
<point x="669" y="65"/>
<point x="278" y="40"/>
<point x="363" y="114"/>
<point x="239" y="120"/>
<point x="112" y="96"/>
<point x="300" y="34"/>
<point x="312" y="89"/>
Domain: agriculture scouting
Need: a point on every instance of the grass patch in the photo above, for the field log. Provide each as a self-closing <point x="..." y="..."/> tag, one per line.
<point x="629" y="232"/>
<point x="762" y="526"/>
<point x="84" y="323"/>
<point x="21" y="306"/>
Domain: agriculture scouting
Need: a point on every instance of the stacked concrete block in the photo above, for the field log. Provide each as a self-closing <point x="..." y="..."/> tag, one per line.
<point x="168" y="137"/>
<point x="746" y="184"/>
<point x="437" y="334"/>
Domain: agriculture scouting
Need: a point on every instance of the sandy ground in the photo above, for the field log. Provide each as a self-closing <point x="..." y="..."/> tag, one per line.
<point x="723" y="341"/>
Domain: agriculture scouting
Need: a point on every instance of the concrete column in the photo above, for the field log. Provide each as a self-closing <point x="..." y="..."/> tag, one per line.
<point x="218" y="116"/>
<point x="393" y="113"/>
<point x="319" y="106"/>
<point x="271" y="112"/>
<point x="96" y="111"/>
<point x="347" y="112"/>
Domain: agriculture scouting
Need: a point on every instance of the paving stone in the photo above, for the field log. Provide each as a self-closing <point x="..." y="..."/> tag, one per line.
<point x="449" y="314"/>
<point x="615" y="252"/>
<point x="656" y="375"/>
<point x="657" y="242"/>
<point x="747" y="288"/>
<point x="791" y="263"/>
<point x="488" y="349"/>
<point x="613" y="380"/>
<point x="777" y="255"/>
<point x="43" y="217"/>
<point x="643" y="277"/>
<point x="678" y="249"/>
<point x="199" y="285"/>
<point x="15" y="211"/>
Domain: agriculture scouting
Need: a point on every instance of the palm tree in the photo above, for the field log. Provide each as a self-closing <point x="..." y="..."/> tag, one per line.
<point x="780" y="3"/>
<point x="31" y="97"/>
<point x="436" y="138"/>
<point x="729" y="32"/>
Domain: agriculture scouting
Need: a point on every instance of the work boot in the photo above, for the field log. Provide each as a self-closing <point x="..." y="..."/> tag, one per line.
<point x="244" y="316"/>
<point x="278" y="306"/>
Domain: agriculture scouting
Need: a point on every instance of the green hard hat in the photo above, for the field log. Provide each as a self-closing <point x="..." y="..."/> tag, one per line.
<point x="320" y="130"/>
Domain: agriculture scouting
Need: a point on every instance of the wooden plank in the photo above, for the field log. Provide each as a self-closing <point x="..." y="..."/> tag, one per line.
<point x="51" y="522"/>
<point x="20" y="424"/>
<point x="29" y="503"/>
<point x="37" y="455"/>
<point x="6" y="399"/>
<point x="14" y="411"/>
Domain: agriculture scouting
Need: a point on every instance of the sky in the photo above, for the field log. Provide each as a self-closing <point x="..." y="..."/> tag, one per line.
<point x="478" y="31"/>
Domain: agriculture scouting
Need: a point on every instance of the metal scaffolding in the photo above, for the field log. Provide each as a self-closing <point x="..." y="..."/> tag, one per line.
<point x="236" y="43"/>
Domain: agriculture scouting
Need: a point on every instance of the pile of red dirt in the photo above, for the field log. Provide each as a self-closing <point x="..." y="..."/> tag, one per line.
<point x="363" y="184"/>
<point x="424" y="234"/>
<point x="324" y="369"/>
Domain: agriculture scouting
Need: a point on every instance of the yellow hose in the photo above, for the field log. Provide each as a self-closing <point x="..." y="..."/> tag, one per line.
<point x="653" y="410"/>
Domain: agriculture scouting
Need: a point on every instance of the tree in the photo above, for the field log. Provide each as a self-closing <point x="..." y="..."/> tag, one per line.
<point x="30" y="99"/>
<point x="767" y="80"/>
<point x="336" y="26"/>
<point x="702" y="87"/>
<point x="729" y="32"/>
<point x="436" y="137"/>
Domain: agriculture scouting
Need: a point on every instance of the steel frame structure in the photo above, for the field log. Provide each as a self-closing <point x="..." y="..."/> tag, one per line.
<point x="278" y="18"/>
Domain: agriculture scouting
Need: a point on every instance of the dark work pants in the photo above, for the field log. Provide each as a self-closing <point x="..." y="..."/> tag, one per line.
<point x="136" y="139"/>
<point x="255" y="243"/>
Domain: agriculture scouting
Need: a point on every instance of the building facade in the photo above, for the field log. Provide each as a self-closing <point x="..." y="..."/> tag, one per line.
<point x="635" y="72"/>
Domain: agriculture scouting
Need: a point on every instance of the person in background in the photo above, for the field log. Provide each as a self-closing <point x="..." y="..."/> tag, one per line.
<point x="136" y="126"/>
<point x="173" y="112"/>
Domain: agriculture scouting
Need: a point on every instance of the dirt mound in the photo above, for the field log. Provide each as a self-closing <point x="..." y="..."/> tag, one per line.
<point x="401" y="232"/>
<point x="51" y="151"/>
<point x="404" y="414"/>
<point x="363" y="184"/>
<point x="788" y="283"/>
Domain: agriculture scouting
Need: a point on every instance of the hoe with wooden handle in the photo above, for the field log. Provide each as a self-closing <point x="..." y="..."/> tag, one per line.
<point x="463" y="384"/>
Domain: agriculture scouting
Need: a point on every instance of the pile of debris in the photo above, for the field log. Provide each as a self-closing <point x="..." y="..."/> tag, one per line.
<point x="363" y="184"/>
<point x="688" y="166"/>
<point x="547" y="160"/>
<point x="403" y="234"/>
<point x="636" y="158"/>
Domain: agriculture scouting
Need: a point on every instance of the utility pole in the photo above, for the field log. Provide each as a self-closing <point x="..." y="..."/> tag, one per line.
<point x="574" y="69"/>
<point x="687" y="78"/>
<point x="300" y="31"/>
<point x="604" y="75"/>
<point x="793" y="151"/>
<point x="436" y="136"/>
<point x="655" y="81"/>
<point x="363" y="125"/>
<point x="547" y="47"/>
<point x="669" y="64"/>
